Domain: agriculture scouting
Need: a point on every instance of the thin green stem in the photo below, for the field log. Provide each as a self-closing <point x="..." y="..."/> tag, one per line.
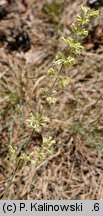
<point x="49" y="93"/>
<point x="52" y="87"/>
<point x="21" y="149"/>
<point x="25" y="144"/>
<point x="9" y="185"/>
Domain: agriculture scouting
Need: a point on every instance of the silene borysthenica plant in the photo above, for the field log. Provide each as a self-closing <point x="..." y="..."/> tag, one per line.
<point x="63" y="60"/>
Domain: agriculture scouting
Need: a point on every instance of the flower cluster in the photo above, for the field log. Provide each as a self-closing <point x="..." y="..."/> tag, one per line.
<point x="63" y="61"/>
<point x="39" y="154"/>
<point x="35" y="121"/>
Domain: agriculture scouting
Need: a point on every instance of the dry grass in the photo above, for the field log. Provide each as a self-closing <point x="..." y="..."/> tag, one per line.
<point x="75" y="170"/>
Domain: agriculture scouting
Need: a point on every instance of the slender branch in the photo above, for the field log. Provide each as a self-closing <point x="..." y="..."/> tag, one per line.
<point x="76" y="48"/>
